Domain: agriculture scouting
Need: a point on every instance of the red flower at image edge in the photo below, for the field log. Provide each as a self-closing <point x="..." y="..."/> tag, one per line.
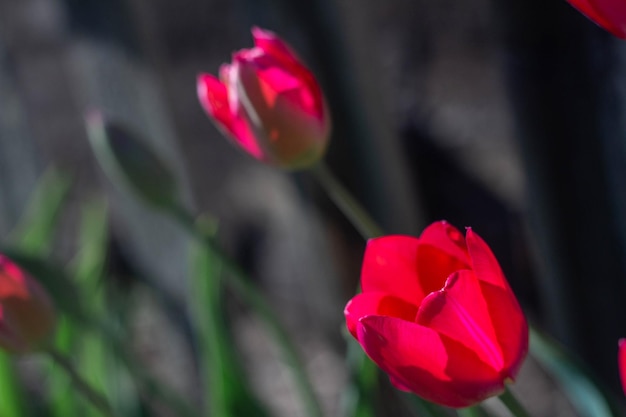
<point x="621" y="362"/>
<point x="438" y="316"/>
<point x="609" y="14"/>
<point x="27" y="316"/>
<point x="269" y="104"/>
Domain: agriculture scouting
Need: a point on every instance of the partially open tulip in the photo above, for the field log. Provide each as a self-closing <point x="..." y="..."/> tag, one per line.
<point x="609" y="14"/>
<point x="27" y="317"/>
<point x="621" y="362"/>
<point x="269" y="104"/>
<point x="438" y="316"/>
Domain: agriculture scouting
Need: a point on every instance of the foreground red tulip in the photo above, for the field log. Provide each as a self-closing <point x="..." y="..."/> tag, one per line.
<point x="621" y="362"/>
<point x="27" y="317"/>
<point x="269" y="103"/>
<point x="438" y="316"/>
<point x="610" y="14"/>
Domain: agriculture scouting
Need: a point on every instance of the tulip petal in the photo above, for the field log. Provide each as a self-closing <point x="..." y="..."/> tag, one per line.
<point x="431" y="365"/>
<point x="609" y="14"/>
<point x="376" y="303"/>
<point x="292" y="83"/>
<point x="447" y="238"/>
<point x="434" y="267"/>
<point x="483" y="261"/>
<point x="277" y="54"/>
<point x="389" y="265"/>
<point x="506" y="314"/>
<point x="621" y="362"/>
<point x="459" y="311"/>
<point x="216" y="100"/>
<point x="274" y="46"/>
<point x="269" y="103"/>
<point x="441" y="252"/>
<point x="510" y="327"/>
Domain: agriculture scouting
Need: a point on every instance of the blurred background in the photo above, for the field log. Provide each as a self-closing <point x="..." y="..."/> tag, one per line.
<point x="507" y="117"/>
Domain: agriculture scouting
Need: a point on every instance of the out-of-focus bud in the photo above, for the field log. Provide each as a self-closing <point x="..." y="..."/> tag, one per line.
<point x="269" y="104"/>
<point x="126" y="159"/>
<point x="27" y="316"/>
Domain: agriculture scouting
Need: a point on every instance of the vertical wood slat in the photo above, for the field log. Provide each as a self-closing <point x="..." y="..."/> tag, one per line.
<point x="562" y="73"/>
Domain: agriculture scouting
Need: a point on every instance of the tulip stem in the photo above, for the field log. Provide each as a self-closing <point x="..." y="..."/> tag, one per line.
<point x="348" y="205"/>
<point x="240" y="282"/>
<point x="96" y="398"/>
<point x="362" y="370"/>
<point x="515" y="407"/>
<point x="475" y="411"/>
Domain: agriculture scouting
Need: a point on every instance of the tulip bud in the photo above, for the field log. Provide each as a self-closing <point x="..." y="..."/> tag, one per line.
<point x="269" y="104"/>
<point x="437" y="314"/>
<point x="126" y="159"/>
<point x="27" y="316"/>
<point x="609" y="14"/>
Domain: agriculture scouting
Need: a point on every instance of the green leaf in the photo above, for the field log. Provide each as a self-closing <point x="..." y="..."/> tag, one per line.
<point x="102" y="369"/>
<point x="11" y="394"/>
<point x="33" y="235"/>
<point x="359" y="396"/>
<point x="229" y="394"/>
<point x="584" y="392"/>
<point x="36" y="228"/>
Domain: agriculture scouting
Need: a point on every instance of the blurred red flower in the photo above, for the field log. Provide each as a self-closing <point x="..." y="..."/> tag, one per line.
<point x="438" y="316"/>
<point x="27" y="317"/>
<point x="610" y="14"/>
<point x="269" y="103"/>
<point x="621" y="362"/>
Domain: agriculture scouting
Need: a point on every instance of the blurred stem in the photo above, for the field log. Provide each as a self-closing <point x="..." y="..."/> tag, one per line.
<point x="240" y="282"/>
<point x="515" y="407"/>
<point x="363" y="371"/>
<point x="86" y="390"/>
<point x="348" y="205"/>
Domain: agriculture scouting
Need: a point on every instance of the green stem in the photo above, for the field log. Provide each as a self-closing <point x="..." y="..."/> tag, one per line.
<point x="363" y="372"/>
<point x="207" y="316"/>
<point x="515" y="407"/>
<point x="95" y="397"/>
<point x="475" y="411"/>
<point x="363" y="377"/>
<point x="421" y="407"/>
<point x="348" y="205"/>
<point x="240" y="283"/>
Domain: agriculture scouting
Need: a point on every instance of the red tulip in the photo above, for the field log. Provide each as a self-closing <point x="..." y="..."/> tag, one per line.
<point x="610" y="14"/>
<point x="269" y="103"/>
<point x="27" y="317"/>
<point x="621" y="362"/>
<point x="438" y="316"/>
